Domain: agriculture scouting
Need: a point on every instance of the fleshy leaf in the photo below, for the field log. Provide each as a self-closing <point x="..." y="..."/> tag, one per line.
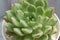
<point x="37" y="26"/>
<point x="39" y="10"/>
<point x="25" y="5"/>
<point x="23" y="23"/>
<point x="52" y="21"/>
<point x="18" y="31"/>
<point x="27" y="30"/>
<point x="15" y="22"/>
<point x="49" y="12"/>
<point x="20" y="14"/>
<point x="9" y="27"/>
<point x="5" y="18"/>
<point x="39" y="3"/>
<point x="44" y="37"/>
<point x="54" y="30"/>
<point x="37" y="34"/>
<point x="47" y="29"/>
<point x="9" y="15"/>
<point x="16" y="6"/>
<point x="43" y="20"/>
<point x="31" y="8"/>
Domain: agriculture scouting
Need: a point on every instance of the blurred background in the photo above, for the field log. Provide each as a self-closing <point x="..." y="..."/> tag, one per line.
<point x="5" y="5"/>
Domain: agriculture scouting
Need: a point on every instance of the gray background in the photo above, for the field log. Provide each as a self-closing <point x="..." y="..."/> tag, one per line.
<point x="5" y="5"/>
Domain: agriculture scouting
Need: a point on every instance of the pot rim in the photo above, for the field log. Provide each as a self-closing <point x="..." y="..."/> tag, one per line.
<point x="54" y="15"/>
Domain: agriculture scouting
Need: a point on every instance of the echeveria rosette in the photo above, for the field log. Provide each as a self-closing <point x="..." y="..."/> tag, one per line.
<point x="31" y="20"/>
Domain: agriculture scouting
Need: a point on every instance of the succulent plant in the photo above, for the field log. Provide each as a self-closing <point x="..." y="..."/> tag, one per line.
<point x="31" y="20"/>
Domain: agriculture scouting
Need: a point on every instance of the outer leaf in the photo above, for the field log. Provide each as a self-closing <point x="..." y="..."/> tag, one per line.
<point x="5" y="18"/>
<point x="18" y="31"/>
<point x="47" y="29"/>
<point x="52" y="21"/>
<point x="9" y="27"/>
<point x="44" y="37"/>
<point x="15" y="22"/>
<point x="49" y="12"/>
<point x="9" y="15"/>
<point x="37" y="34"/>
<point x="15" y="7"/>
<point x="54" y="30"/>
<point x="43" y="20"/>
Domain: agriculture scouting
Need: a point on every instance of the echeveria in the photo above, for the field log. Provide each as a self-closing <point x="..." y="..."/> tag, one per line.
<point x="31" y="20"/>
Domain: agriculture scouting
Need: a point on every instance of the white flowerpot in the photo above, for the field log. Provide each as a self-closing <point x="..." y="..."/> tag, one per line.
<point x="54" y="37"/>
